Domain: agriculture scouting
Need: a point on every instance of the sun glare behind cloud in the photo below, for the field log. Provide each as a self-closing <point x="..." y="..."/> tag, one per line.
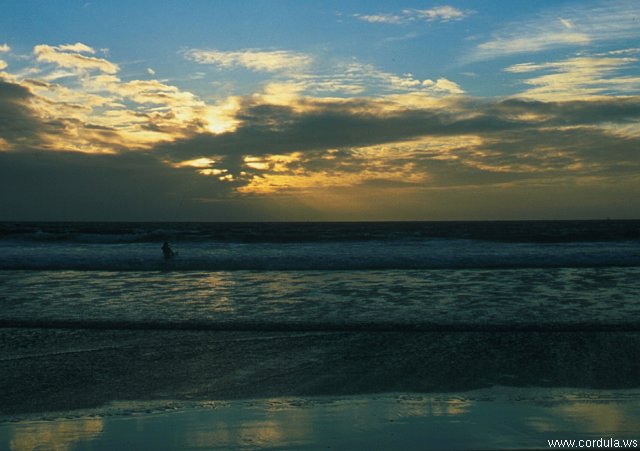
<point x="385" y="104"/>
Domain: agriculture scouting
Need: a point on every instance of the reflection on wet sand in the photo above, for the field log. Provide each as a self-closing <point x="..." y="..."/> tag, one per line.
<point x="487" y="419"/>
<point x="54" y="435"/>
<point x="264" y="423"/>
<point x="432" y="407"/>
<point x="253" y="433"/>
<point x="286" y="423"/>
<point x="601" y="416"/>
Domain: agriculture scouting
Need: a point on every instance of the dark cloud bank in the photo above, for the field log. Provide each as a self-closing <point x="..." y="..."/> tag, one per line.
<point x="538" y="159"/>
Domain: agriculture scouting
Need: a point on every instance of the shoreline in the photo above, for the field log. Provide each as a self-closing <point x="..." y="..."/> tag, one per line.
<point x="495" y="418"/>
<point x="165" y="390"/>
<point x="61" y="370"/>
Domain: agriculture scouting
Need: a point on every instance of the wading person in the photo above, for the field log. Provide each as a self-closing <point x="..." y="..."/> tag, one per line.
<point x="167" y="251"/>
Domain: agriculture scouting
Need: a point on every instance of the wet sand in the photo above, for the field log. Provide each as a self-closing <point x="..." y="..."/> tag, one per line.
<point x="130" y="389"/>
<point x="491" y="419"/>
<point x="49" y="369"/>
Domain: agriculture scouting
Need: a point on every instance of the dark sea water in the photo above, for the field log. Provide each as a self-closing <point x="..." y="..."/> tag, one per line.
<point x="320" y="246"/>
<point x="92" y="312"/>
<point x="323" y="275"/>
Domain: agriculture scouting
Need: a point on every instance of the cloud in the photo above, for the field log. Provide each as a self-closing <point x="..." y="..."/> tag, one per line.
<point x="314" y="125"/>
<point x="442" y="85"/>
<point x="414" y="159"/>
<point x="150" y="92"/>
<point x="4" y="48"/>
<point x="357" y="79"/>
<point x="440" y="13"/>
<point x="3" y="65"/>
<point x="130" y="186"/>
<point x="363" y="153"/>
<point x="561" y="27"/>
<point x="333" y="78"/>
<point x="252" y="59"/>
<point x="567" y="23"/>
<point x="279" y="149"/>
<point x="78" y="47"/>
<point x="99" y="112"/>
<point x="629" y="51"/>
<point x="530" y="44"/>
<point x="436" y="14"/>
<point x="70" y="56"/>
<point x="85" y="106"/>
<point x="347" y="132"/>
<point x="52" y="116"/>
<point x="405" y="37"/>
<point x="151" y="71"/>
<point x="579" y="78"/>
<point x="18" y="123"/>
<point x="393" y="19"/>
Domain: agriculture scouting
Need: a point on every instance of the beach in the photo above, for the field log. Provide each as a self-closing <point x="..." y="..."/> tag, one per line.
<point x="316" y="336"/>
<point x="176" y="389"/>
<point x="495" y="419"/>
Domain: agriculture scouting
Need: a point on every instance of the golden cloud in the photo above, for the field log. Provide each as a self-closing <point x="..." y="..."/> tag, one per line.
<point x="70" y="56"/>
<point x="257" y="60"/>
<point x="578" y="78"/>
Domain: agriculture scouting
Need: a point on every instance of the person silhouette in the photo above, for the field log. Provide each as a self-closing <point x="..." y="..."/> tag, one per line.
<point x="167" y="251"/>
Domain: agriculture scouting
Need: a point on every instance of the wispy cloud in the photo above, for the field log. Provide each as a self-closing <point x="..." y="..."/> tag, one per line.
<point x="436" y="14"/>
<point x="252" y="59"/>
<point x="440" y="13"/>
<point x="4" y="48"/>
<point x="394" y="19"/>
<point x="567" y="23"/>
<point x="404" y="37"/>
<point x="291" y="75"/>
<point x="577" y="26"/>
<point x="503" y="46"/>
<point x="70" y="56"/>
<point x="78" y="47"/>
<point x="578" y="78"/>
<point x="356" y="78"/>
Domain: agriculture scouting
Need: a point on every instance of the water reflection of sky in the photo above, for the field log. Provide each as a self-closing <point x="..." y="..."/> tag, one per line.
<point x="379" y="422"/>
<point x="59" y="435"/>
<point x="533" y="296"/>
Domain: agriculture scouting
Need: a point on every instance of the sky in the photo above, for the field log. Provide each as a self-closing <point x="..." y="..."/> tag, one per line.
<point x="280" y="110"/>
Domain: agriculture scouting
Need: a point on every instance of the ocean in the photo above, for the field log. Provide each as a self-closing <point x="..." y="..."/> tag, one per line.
<point x="91" y="313"/>
<point x="365" y="276"/>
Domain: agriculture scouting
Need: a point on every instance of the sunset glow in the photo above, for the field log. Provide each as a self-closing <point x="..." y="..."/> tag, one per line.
<point x="461" y="110"/>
